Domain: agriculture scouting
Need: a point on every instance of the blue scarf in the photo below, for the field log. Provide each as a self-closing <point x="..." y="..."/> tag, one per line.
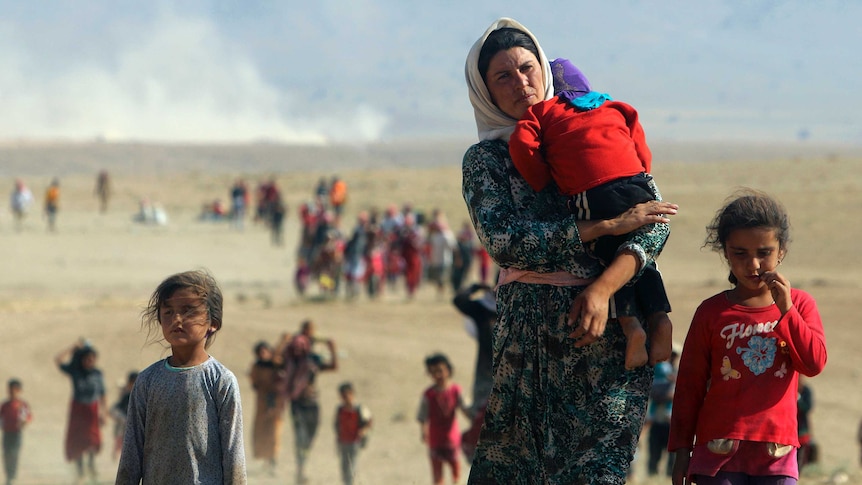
<point x="585" y="102"/>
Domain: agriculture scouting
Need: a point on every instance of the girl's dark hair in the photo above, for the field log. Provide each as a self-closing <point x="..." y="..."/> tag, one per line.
<point x="502" y="40"/>
<point x="199" y="281"/>
<point x="436" y="359"/>
<point x="747" y="209"/>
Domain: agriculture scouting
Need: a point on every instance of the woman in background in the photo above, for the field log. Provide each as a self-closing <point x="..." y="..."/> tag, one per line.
<point x="88" y="408"/>
<point x="269" y="407"/>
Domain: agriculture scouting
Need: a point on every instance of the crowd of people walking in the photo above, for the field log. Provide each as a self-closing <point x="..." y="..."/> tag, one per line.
<point x="384" y="251"/>
<point x="393" y="249"/>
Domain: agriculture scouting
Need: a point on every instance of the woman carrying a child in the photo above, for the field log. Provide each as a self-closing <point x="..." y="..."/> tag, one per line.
<point x="563" y="409"/>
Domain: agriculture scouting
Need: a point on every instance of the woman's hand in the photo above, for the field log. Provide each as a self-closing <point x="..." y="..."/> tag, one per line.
<point x="589" y="315"/>
<point x="589" y="311"/>
<point x="779" y="286"/>
<point x="651" y="212"/>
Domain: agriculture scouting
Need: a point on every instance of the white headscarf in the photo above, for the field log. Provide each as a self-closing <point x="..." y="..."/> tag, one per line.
<point x="491" y="122"/>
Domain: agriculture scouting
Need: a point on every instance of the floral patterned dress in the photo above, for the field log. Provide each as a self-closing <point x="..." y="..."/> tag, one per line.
<point x="557" y="414"/>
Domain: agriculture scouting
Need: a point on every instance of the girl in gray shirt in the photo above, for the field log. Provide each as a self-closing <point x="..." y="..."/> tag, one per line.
<point x="185" y="416"/>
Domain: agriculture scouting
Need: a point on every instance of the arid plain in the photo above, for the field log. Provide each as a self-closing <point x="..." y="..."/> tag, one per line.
<point x="92" y="276"/>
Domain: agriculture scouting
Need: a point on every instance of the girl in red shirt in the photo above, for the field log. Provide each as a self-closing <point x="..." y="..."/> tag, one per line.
<point x="438" y="418"/>
<point x="734" y="410"/>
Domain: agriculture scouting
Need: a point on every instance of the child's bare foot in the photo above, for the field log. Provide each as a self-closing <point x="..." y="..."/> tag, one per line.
<point x="636" y="353"/>
<point x="661" y="337"/>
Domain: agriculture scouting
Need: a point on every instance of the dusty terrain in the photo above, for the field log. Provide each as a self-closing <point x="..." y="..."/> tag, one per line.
<point x="93" y="275"/>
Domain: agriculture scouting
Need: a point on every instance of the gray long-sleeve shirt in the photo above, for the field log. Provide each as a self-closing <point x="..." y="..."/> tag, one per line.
<point x="184" y="427"/>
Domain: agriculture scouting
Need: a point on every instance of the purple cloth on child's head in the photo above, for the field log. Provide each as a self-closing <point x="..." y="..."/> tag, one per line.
<point x="569" y="81"/>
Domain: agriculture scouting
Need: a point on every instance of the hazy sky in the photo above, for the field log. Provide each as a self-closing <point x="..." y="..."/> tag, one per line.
<point x="388" y="70"/>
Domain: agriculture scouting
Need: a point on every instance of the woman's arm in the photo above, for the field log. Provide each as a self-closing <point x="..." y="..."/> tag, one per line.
<point x="653" y="212"/>
<point x="527" y="230"/>
<point x="519" y="228"/>
<point x="646" y="224"/>
<point x="590" y="308"/>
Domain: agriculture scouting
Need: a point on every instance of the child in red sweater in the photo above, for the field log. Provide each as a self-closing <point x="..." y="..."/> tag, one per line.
<point x="14" y="415"/>
<point x="352" y="424"/>
<point x="438" y="418"/>
<point x="734" y="409"/>
<point x="595" y="150"/>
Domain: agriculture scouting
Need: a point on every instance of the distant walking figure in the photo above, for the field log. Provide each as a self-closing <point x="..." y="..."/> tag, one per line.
<point x="352" y="423"/>
<point x="103" y="190"/>
<point x="20" y="202"/>
<point x="52" y="203"/>
<point x="269" y="406"/>
<point x="89" y="406"/>
<point x="301" y="366"/>
<point x="14" y="415"/>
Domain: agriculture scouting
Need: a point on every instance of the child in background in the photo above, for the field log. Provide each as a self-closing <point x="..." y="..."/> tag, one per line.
<point x="595" y="150"/>
<point x="438" y="419"/>
<point x="658" y="414"/>
<point x="269" y="407"/>
<point x="352" y="424"/>
<point x="808" y="448"/>
<point x="14" y="415"/>
<point x="185" y="413"/>
<point x="734" y="410"/>
<point x="302" y="365"/>
<point x="119" y="411"/>
<point x="88" y="408"/>
<point x="20" y="202"/>
<point x="52" y="203"/>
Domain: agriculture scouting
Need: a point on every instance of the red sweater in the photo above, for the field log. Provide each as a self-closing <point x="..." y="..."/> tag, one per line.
<point x="738" y="371"/>
<point x="14" y="414"/>
<point x="440" y="409"/>
<point x="580" y="150"/>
